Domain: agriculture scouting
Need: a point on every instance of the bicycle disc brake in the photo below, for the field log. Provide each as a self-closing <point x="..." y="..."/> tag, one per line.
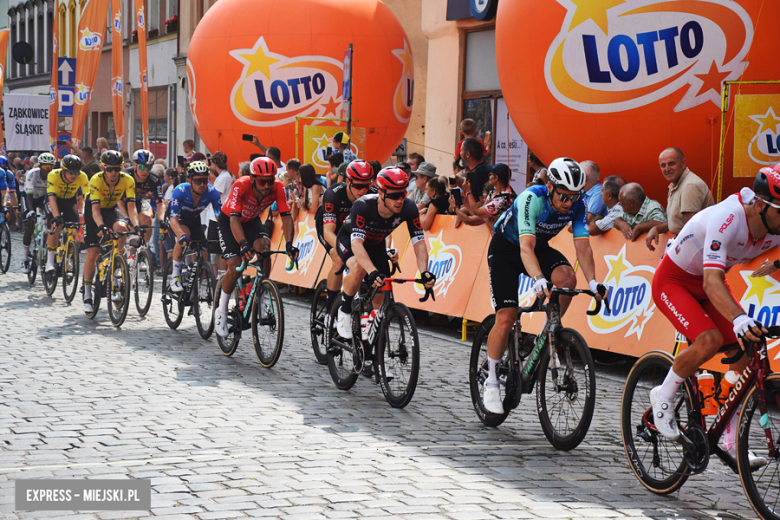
<point x="696" y="448"/>
<point x="513" y="390"/>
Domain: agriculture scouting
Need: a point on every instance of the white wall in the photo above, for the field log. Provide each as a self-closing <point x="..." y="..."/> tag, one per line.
<point x="159" y="64"/>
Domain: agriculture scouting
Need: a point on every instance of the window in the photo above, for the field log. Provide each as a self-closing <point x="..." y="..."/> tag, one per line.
<point x="49" y="46"/>
<point x="72" y="33"/>
<point x="14" y="39"/>
<point x="62" y="46"/>
<point x="153" y="16"/>
<point x="40" y="47"/>
<point x="158" y="121"/>
<point x="481" y="68"/>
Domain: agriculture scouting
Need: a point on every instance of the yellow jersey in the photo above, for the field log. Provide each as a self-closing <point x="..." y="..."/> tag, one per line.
<point x="57" y="186"/>
<point x="101" y="193"/>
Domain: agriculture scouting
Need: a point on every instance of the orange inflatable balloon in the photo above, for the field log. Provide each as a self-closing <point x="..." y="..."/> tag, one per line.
<point x="617" y="81"/>
<point x="255" y="65"/>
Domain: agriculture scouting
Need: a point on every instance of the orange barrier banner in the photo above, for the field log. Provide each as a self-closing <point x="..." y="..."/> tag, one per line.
<point x="54" y="101"/>
<point x="454" y="256"/>
<point x="92" y="26"/>
<point x="310" y="256"/>
<point x="140" y="21"/>
<point x="117" y="74"/>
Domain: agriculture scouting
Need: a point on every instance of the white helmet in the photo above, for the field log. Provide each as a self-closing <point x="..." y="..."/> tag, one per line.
<point x="47" y="158"/>
<point x="143" y="157"/>
<point x="565" y="173"/>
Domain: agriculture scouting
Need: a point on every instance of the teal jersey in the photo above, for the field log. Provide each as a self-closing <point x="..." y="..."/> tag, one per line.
<point x="532" y="215"/>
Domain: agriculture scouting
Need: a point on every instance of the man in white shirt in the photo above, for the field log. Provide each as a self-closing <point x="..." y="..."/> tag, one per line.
<point x="222" y="180"/>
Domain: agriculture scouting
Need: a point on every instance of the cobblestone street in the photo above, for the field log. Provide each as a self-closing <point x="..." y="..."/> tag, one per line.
<point x="223" y="438"/>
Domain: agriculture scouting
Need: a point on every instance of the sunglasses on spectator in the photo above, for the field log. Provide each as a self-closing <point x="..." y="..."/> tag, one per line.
<point x="396" y="195"/>
<point x="199" y="181"/>
<point x="360" y="186"/>
<point x="265" y="182"/>
<point x="563" y="197"/>
<point x="113" y="168"/>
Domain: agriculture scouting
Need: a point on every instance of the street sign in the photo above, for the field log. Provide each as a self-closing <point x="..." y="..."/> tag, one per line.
<point x="62" y="150"/>
<point x="66" y="72"/>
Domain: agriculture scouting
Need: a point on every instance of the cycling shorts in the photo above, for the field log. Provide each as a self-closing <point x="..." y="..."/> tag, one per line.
<point x="680" y="296"/>
<point x="253" y="230"/>
<point x="506" y="266"/>
<point x="110" y="217"/>
<point x="69" y="211"/>
<point x="195" y="228"/>
<point x="38" y="203"/>
<point x="376" y="252"/>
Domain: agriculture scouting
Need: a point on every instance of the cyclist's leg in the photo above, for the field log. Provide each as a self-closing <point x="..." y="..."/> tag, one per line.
<point x="90" y="264"/>
<point x="378" y="256"/>
<point x="505" y="267"/>
<point x="54" y="234"/>
<point x="145" y="216"/>
<point x="333" y="285"/>
<point x="556" y="268"/>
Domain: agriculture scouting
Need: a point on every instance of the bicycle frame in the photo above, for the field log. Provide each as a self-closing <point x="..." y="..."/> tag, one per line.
<point x="257" y="263"/>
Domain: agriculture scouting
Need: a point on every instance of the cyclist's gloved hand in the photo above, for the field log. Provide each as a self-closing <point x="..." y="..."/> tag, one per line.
<point x="292" y="251"/>
<point x="184" y="239"/>
<point x="540" y="286"/>
<point x="3" y="210"/>
<point x="376" y="279"/>
<point x="102" y="230"/>
<point x="597" y="288"/>
<point x="246" y="250"/>
<point x="138" y="230"/>
<point x="30" y="214"/>
<point x="56" y="222"/>
<point x="746" y="327"/>
<point x="429" y="278"/>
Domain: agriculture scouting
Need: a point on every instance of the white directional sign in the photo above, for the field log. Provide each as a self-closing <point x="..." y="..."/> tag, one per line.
<point x="66" y="72"/>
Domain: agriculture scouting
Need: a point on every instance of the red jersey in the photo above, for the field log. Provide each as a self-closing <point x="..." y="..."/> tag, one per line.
<point x="460" y="145"/>
<point x="242" y="201"/>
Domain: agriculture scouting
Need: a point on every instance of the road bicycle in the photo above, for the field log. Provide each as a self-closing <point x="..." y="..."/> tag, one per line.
<point x="67" y="263"/>
<point x="557" y="362"/>
<point x="391" y="335"/>
<point x="139" y="260"/>
<point x="257" y="305"/>
<point x="198" y="282"/>
<point x="37" y="248"/>
<point x="5" y="242"/>
<point x="663" y="465"/>
<point x="111" y="279"/>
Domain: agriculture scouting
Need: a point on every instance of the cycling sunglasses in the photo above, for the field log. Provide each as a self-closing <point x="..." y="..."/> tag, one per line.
<point x="395" y="196"/>
<point x="199" y="181"/>
<point x="113" y="168"/>
<point x="360" y="186"/>
<point x="769" y="203"/>
<point x="265" y="182"/>
<point x="144" y="167"/>
<point x="563" y="197"/>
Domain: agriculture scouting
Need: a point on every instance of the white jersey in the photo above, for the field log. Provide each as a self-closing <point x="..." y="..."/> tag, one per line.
<point x="718" y="237"/>
<point x="35" y="184"/>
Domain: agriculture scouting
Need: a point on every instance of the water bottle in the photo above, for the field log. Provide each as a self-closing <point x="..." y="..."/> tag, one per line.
<point x="730" y="378"/>
<point x="365" y="323"/>
<point x="706" y="383"/>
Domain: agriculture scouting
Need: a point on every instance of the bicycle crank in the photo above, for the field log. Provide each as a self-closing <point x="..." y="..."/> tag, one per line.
<point x="696" y="448"/>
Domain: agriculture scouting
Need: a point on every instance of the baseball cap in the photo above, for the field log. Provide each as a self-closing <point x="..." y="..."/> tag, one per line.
<point x="197" y="156"/>
<point x="342" y="171"/>
<point x="501" y="171"/>
<point x="426" y="169"/>
<point x="341" y="137"/>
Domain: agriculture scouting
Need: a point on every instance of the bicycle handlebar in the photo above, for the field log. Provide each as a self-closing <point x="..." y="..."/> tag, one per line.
<point x="258" y="259"/>
<point x="772" y="332"/>
<point x="538" y="304"/>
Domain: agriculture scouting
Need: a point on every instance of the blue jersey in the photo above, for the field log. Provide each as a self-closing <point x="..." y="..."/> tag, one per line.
<point x="183" y="205"/>
<point x="7" y="180"/>
<point x="532" y="215"/>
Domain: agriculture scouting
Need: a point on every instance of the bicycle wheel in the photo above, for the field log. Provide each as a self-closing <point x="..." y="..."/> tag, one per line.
<point x="317" y="325"/>
<point x="33" y="272"/>
<point x="49" y="279"/>
<point x="658" y="463"/>
<point x="762" y="487"/>
<point x="203" y="300"/>
<point x="172" y="303"/>
<point x="478" y="374"/>
<point x="5" y="247"/>
<point x="144" y="282"/>
<point x="70" y="271"/>
<point x="398" y="356"/>
<point x="118" y="297"/>
<point x="229" y="343"/>
<point x="97" y="293"/>
<point x="341" y="353"/>
<point x="566" y="405"/>
<point x="267" y="323"/>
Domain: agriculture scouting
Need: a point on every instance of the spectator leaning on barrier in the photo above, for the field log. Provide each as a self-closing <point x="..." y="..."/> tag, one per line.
<point x="415" y="160"/>
<point x="438" y="195"/>
<point x="592" y="190"/>
<point x="640" y="213"/>
<point x="610" y="197"/>
<point x="421" y="175"/>
<point x="334" y="160"/>
<point x="497" y="202"/>
<point x="476" y="173"/>
<point x="688" y="194"/>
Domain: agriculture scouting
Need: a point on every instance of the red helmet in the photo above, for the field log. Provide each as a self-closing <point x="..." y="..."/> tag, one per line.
<point x="360" y="171"/>
<point x="767" y="183"/>
<point x="776" y="167"/>
<point x="263" y="167"/>
<point x="392" y="179"/>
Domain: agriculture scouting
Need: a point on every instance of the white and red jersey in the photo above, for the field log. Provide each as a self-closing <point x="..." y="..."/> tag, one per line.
<point x="718" y="237"/>
<point x="242" y="201"/>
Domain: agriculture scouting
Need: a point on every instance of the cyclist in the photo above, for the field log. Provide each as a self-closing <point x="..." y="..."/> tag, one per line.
<point x="520" y="245"/>
<point x="7" y="185"/>
<point x="188" y="200"/>
<point x="361" y="240"/>
<point x="148" y="190"/>
<point x="690" y="289"/>
<point x="35" y="184"/>
<point x="240" y="231"/>
<point x="336" y="205"/>
<point x="64" y="186"/>
<point x="106" y="188"/>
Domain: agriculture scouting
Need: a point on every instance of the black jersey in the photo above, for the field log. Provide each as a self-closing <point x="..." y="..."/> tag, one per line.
<point x="150" y="189"/>
<point x="335" y="206"/>
<point x="365" y="222"/>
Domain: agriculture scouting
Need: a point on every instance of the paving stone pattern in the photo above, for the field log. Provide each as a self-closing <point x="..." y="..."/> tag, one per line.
<point x="224" y="438"/>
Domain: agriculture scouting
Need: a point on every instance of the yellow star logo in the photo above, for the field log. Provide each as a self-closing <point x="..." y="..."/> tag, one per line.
<point x="617" y="266"/>
<point x="405" y="55"/>
<point x="257" y="59"/>
<point x="303" y="229"/>
<point x="768" y="121"/>
<point x="758" y="286"/>
<point x="322" y="142"/>
<point x="436" y="245"/>
<point x="595" y="10"/>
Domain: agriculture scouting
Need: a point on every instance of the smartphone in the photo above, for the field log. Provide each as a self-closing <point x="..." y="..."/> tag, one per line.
<point x="329" y="152"/>
<point x="453" y="181"/>
<point x="180" y="160"/>
<point x="248" y="137"/>
<point x="458" y="194"/>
